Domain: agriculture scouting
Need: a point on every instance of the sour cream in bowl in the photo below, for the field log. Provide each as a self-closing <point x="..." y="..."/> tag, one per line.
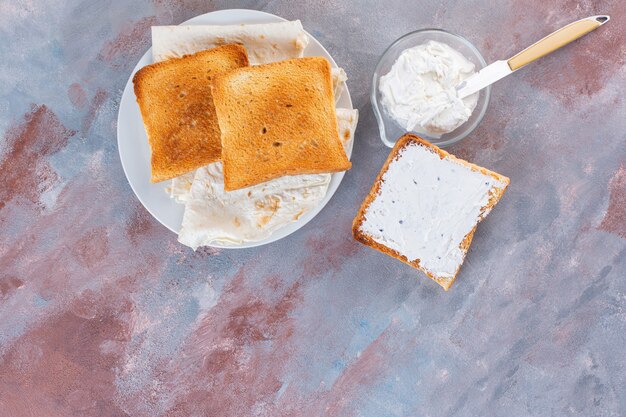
<point x="414" y="88"/>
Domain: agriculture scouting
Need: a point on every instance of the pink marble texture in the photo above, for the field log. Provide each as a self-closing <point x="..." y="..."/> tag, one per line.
<point x="104" y="313"/>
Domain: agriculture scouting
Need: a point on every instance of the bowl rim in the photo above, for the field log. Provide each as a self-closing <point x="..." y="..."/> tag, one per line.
<point x="373" y="88"/>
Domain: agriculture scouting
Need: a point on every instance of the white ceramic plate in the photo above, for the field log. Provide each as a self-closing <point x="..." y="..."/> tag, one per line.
<point x="135" y="151"/>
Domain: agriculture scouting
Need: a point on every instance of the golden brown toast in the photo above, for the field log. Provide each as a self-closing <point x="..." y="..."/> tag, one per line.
<point x="176" y="105"/>
<point x="277" y="119"/>
<point x="495" y="193"/>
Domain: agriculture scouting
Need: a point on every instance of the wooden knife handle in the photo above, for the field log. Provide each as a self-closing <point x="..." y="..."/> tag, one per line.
<point x="557" y="39"/>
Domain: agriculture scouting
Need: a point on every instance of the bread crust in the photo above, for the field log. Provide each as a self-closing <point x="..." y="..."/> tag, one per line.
<point x="404" y="141"/>
<point x="176" y="105"/>
<point x="278" y="119"/>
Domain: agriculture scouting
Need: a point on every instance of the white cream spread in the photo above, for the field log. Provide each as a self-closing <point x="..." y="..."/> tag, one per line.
<point x="426" y="206"/>
<point x="419" y="92"/>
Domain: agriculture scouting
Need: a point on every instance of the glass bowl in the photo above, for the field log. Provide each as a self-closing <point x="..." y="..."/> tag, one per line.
<point x="390" y="131"/>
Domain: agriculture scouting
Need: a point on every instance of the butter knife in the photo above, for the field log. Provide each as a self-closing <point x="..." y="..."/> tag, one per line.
<point x="500" y="69"/>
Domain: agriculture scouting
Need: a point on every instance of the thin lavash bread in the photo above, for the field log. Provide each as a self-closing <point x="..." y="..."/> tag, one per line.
<point x="265" y="43"/>
<point x="174" y="97"/>
<point x="424" y="207"/>
<point x="277" y="119"/>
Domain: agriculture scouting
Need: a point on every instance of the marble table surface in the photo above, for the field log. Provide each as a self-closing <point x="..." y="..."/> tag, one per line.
<point x="104" y="313"/>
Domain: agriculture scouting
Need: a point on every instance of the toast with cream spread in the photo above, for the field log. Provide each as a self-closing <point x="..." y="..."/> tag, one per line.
<point x="424" y="207"/>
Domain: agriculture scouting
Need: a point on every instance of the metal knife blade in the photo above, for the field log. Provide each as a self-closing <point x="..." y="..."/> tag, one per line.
<point x="552" y="42"/>
<point x="488" y="75"/>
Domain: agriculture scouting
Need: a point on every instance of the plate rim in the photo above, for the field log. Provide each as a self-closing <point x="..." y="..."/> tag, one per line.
<point x="336" y="179"/>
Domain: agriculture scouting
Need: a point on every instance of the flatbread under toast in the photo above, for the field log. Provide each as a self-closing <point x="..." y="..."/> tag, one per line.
<point x="277" y="119"/>
<point x="265" y="42"/>
<point x="176" y="105"/>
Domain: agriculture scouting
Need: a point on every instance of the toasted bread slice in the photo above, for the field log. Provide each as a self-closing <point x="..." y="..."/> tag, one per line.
<point x="424" y="207"/>
<point x="277" y="119"/>
<point x="176" y="105"/>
